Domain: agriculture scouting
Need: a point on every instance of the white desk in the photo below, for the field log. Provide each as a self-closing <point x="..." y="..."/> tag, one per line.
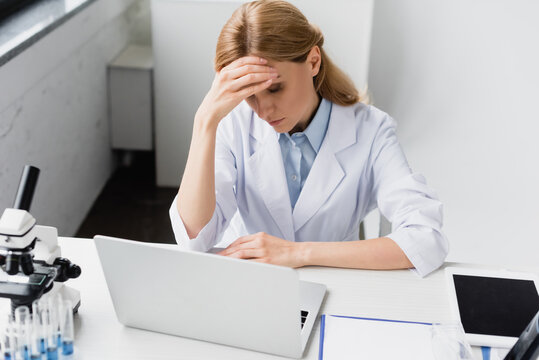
<point x="382" y="294"/>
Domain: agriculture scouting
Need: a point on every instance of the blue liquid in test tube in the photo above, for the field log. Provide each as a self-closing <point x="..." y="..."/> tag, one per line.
<point x="67" y="348"/>
<point x="66" y="327"/>
<point x="25" y="353"/>
<point x="39" y="310"/>
<point x="52" y="353"/>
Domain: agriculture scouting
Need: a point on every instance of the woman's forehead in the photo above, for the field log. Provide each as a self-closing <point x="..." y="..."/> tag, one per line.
<point x="279" y="64"/>
<point x="285" y="69"/>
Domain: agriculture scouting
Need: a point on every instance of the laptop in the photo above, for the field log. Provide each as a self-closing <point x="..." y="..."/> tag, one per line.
<point x="209" y="297"/>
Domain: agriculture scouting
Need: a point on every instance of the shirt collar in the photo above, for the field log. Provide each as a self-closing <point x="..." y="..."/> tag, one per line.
<point x="316" y="130"/>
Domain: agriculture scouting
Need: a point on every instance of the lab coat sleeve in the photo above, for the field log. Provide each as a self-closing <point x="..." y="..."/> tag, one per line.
<point x="404" y="198"/>
<point x="226" y="205"/>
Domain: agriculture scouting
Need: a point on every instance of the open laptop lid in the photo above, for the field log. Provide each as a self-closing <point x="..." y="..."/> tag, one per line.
<point x="203" y="296"/>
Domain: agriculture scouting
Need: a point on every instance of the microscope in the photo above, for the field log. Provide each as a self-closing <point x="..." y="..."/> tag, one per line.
<point x="30" y="258"/>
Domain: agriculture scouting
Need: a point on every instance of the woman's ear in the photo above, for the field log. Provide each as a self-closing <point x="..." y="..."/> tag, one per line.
<point x="314" y="59"/>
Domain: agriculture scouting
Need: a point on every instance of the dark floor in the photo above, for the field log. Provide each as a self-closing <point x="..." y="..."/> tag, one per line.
<point x="131" y="206"/>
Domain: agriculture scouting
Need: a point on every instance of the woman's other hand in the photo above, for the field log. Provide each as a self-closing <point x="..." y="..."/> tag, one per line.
<point x="265" y="248"/>
<point x="234" y="83"/>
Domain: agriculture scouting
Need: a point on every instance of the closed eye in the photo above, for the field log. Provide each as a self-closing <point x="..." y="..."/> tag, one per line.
<point x="274" y="90"/>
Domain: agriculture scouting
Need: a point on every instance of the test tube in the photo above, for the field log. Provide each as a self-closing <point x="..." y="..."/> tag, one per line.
<point x="56" y="303"/>
<point x="66" y="329"/>
<point x="51" y="326"/>
<point x="8" y="340"/>
<point x="39" y="333"/>
<point x="36" y="345"/>
<point x="22" y="322"/>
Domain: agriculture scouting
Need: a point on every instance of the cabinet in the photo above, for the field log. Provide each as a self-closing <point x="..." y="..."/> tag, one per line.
<point x="130" y="77"/>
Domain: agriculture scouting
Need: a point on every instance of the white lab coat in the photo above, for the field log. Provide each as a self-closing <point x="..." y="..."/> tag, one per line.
<point x="360" y="166"/>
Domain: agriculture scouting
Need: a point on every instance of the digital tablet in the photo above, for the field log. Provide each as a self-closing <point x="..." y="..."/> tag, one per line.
<point x="494" y="307"/>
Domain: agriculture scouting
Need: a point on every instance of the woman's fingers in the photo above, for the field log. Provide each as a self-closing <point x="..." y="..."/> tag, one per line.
<point x="233" y="84"/>
<point x="251" y="79"/>
<point x="246" y="60"/>
<point x="253" y="89"/>
<point x="247" y="69"/>
<point x="241" y="240"/>
<point x="247" y="254"/>
<point x="246" y="74"/>
<point x="261" y="247"/>
<point x="236" y="245"/>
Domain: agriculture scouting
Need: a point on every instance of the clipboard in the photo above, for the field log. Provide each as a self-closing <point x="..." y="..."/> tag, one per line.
<point x="348" y="337"/>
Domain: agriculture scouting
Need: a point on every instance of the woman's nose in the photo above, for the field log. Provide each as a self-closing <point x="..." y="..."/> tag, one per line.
<point x="265" y="107"/>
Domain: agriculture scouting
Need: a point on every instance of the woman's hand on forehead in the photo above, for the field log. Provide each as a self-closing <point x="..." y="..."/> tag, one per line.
<point x="233" y="84"/>
<point x="247" y="60"/>
<point x="247" y="65"/>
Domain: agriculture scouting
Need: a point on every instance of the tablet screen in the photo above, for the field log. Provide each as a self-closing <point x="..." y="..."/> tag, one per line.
<point x="495" y="306"/>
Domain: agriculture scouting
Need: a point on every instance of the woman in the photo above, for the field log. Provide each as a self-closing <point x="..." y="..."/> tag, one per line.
<point x="283" y="138"/>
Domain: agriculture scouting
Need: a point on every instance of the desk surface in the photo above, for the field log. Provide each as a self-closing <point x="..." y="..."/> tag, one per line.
<point x="399" y="294"/>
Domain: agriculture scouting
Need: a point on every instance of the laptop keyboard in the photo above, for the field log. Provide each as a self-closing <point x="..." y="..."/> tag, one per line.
<point x="303" y="317"/>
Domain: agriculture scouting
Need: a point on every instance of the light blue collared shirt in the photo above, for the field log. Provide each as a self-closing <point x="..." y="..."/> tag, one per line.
<point x="300" y="149"/>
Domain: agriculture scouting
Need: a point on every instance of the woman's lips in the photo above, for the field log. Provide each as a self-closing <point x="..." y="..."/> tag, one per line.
<point x="276" y="122"/>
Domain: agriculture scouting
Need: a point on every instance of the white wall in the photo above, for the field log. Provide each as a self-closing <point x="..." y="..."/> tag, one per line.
<point x="140" y="19"/>
<point x="53" y="113"/>
<point x="184" y="38"/>
<point x="462" y="80"/>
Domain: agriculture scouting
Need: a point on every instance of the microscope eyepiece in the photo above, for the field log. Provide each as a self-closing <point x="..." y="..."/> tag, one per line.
<point x="27" y="186"/>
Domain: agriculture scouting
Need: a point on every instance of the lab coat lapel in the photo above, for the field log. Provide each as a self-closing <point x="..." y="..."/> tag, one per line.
<point x="267" y="166"/>
<point x="326" y="172"/>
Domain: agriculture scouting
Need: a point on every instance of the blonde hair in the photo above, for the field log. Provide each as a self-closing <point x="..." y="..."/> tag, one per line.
<point x="277" y="30"/>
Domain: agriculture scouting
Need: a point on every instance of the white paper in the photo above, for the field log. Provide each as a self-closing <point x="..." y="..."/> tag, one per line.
<point x="346" y="338"/>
